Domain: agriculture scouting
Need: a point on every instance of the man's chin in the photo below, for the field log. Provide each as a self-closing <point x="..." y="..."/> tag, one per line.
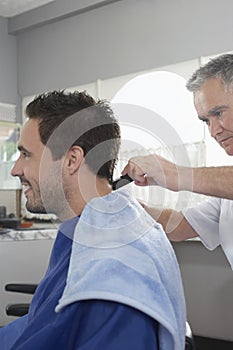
<point x="35" y="209"/>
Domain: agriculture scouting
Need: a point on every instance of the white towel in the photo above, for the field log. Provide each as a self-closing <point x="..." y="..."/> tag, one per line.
<point x="120" y="253"/>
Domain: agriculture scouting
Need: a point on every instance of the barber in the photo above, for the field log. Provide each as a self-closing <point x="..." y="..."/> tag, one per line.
<point x="212" y="220"/>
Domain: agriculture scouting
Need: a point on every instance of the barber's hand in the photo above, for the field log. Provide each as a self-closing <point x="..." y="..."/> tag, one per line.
<point x="153" y="170"/>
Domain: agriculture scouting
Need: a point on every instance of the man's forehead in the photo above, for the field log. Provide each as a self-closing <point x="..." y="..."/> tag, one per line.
<point x="29" y="135"/>
<point x="31" y="129"/>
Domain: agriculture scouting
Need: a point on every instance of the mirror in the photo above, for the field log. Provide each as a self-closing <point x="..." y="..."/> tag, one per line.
<point x="9" y="136"/>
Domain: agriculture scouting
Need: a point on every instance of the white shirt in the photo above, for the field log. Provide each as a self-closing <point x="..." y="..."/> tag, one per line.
<point x="213" y="222"/>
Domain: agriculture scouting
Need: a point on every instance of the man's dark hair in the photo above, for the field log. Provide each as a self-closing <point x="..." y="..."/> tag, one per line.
<point x="220" y="67"/>
<point x="75" y="118"/>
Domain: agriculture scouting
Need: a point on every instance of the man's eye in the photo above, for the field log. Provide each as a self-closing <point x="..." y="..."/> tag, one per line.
<point x="24" y="154"/>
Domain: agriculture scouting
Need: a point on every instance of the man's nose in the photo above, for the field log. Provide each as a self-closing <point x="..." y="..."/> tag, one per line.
<point x="215" y="127"/>
<point x="17" y="169"/>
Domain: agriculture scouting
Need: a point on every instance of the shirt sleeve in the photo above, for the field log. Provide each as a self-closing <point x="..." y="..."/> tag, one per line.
<point x="204" y="219"/>
<point x="94" y="325"/>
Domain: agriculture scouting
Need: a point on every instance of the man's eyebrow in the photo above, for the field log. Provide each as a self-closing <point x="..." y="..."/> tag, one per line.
<point x="23" y="149"/>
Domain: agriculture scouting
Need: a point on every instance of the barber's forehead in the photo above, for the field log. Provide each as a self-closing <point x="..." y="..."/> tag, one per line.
<point x="212" y="85"/>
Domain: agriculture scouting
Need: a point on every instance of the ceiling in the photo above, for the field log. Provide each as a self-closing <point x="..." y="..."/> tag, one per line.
<point x="11" y="8"/>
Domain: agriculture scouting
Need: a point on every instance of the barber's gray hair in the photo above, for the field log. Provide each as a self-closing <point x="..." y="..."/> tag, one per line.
<point x="220" y="67"/>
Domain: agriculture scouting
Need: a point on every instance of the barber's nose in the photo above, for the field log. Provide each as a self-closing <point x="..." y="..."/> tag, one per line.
<point x="215" y="127"/>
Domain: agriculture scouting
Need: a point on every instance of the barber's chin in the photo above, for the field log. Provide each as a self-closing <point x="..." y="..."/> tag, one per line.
<point x="229" y="150"/>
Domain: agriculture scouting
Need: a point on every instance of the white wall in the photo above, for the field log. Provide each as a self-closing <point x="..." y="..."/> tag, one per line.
<point x="120" y="38"/>
<point x="8" y="65"/>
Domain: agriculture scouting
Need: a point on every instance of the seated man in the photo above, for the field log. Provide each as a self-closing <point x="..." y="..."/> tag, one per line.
<point x="113" y="281"/>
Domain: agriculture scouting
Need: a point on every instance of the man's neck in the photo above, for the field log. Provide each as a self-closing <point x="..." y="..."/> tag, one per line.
<point x="81" y="195"/>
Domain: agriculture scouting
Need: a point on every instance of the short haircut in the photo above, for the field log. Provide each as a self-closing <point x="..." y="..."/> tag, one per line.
<point x="83" y="122"/>
<point x="220" y="67"/>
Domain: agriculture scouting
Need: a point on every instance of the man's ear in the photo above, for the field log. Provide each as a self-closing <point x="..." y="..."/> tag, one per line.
<point x="74" y="158"/>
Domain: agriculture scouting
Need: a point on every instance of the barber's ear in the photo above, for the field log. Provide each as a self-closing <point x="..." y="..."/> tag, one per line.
<point x="74" y="158"/>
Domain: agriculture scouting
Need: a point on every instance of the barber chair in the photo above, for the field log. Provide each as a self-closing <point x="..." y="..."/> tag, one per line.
<point x="189" y="340"/>
<point x="22" y="309"/>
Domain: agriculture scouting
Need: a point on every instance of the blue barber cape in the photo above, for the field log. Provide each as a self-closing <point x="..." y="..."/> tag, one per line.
<point x="84" y="325"/>
<point x="113" y="283"/>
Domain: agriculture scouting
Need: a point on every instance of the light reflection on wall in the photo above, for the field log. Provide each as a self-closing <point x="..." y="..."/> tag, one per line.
<point x="164" y="93"/>
<point x="156" y="112"/>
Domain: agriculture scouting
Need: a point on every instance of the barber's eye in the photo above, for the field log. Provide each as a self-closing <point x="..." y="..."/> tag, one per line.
<point x="219" y="113"/>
